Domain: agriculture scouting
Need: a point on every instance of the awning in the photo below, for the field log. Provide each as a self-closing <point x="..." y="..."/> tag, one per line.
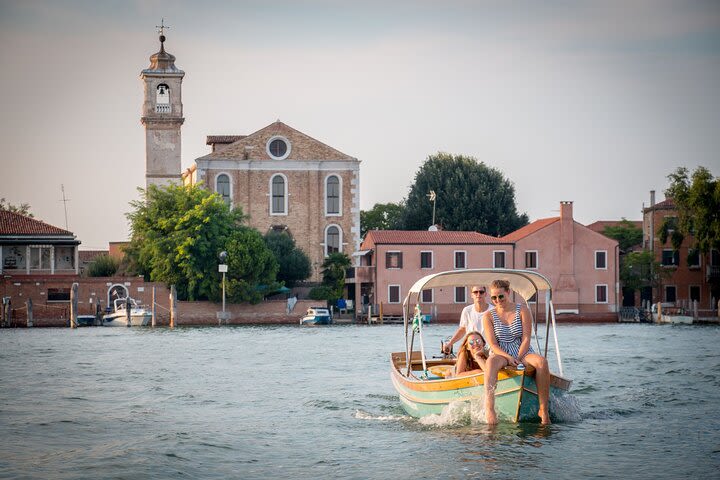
<point x="361" y="253"/>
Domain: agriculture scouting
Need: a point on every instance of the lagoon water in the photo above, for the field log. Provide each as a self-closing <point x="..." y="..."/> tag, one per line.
<point x="294" y="402"/>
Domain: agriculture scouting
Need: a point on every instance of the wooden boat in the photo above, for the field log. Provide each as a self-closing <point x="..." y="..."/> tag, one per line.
<point x="420" y="382"/>
<point x="316" y="316"/>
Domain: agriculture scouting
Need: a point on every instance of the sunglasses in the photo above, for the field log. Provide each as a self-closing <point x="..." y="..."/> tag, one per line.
<point x="479" y="342"/>
<point x="478" y="292"/>
<point x="497" y="297"/>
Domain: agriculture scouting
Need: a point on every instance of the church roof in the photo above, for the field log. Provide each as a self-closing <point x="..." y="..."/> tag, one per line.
<point x="16" y="224"/>
<point x="253" y="147"/>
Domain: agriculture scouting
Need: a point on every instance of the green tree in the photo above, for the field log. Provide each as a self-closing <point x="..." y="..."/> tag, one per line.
<point x="640" y="269"/>
<point x="627" y="234"/>
<point x="333" y="274"/>
<point x="103" y="266"/>
<point x="252" y="267"/>
<point x="471" y="196"/>
<point x="22" y="209"/>
<point x="177" y="233"/>
<point x="697" y="199"/>
<point x="383" y="216"/>
<point x="294" y="265"/>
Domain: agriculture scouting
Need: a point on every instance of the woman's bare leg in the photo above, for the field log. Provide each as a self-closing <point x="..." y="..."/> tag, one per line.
<point x="542" y="380"/>
<point x="492" y="367"/>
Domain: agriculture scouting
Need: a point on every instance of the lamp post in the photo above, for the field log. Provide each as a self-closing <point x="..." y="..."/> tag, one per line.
<point x="223" y="268"/>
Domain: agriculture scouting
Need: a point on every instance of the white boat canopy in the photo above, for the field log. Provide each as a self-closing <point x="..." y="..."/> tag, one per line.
<point x="525" y="282"/>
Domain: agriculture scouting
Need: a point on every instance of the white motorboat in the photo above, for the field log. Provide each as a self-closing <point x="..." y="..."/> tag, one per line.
<point x="139" y="315"/>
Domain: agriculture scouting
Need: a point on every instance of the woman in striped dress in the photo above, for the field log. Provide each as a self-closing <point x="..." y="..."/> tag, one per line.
<point x="507" y="331"/>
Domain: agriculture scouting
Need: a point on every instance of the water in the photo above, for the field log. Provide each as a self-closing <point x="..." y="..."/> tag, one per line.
<point x="293" y="402"/>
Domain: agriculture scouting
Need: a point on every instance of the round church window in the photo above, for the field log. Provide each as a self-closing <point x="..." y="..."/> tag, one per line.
<point x="278" y="148"/>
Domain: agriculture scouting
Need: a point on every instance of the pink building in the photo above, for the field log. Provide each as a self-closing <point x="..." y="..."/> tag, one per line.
<point x="581" y="264"/>
<point x="391" y="261"/>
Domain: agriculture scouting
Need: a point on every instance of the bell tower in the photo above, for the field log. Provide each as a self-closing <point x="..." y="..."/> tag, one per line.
<point x="162" y="117"/>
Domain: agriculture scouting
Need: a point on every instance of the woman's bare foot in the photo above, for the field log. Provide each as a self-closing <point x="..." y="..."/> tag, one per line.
<point x="544" y="417"/>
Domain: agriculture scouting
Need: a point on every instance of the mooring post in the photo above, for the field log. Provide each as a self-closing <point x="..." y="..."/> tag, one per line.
<point x="128" y="312"/>
<point x="29" y="306"/>
<point x="173" y="311"/>
<point x="152" y="310"/>
<point x="2" y="311"/>
<point x="73" y="305"/>
<point x="6" y="311"/>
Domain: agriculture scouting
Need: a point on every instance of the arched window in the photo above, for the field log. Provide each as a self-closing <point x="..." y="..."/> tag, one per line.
<point x="162" y="96"/>
<point x="222" y="186"/>
<point x="278" y="195"/>
<point x="333" y="239"/>
<point x="332" y="195"/>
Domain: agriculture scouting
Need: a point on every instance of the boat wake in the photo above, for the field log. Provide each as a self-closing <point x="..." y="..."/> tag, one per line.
<point x="363" y="415"/>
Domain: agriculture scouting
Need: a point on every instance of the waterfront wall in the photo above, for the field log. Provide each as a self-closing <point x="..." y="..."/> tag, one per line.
<point x="93" y="291"/>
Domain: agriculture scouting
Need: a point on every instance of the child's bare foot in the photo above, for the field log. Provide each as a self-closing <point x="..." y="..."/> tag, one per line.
<point x="491" y="417"/>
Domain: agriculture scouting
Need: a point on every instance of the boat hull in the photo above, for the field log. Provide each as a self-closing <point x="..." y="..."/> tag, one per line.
<point x="516" y="398"/>
<point x="120" y="320"/>
<point x="316" y="320"/>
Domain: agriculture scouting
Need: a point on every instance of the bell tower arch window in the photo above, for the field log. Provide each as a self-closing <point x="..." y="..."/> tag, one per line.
<point x="278" y="195"/>
<point x="162" y="99"/>
<point x="223" y="187"/>
<point x="333" y="239"/>
<point x="333" y="196"/>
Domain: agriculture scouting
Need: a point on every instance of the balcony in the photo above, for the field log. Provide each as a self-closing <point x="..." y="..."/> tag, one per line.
<point x="361" y="274"/>
<point x="163" y="108"/>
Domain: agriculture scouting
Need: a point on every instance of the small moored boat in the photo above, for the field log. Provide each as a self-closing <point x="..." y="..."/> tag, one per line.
<point x="139" y="315"/>
<point x="316" y="316"/>
<point x="420" y="382"/>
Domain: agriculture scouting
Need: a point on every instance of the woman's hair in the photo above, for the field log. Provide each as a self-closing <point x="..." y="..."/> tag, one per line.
<point x="504" y="284"/>
<point x="465" y="357"/>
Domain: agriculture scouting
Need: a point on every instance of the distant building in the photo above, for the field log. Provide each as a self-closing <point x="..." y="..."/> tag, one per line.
<point x="391" y="261"/>
<point x="285" y="180"/>
<point x="282" y="179"/>
<point x="581" y="264"/>
<point x="32" y="247"/>
<point x="693" y="276"/>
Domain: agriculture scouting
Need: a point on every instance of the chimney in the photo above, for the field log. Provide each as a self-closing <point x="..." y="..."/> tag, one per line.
<point x="652" y="198"/>
<point x="566" y="210"/>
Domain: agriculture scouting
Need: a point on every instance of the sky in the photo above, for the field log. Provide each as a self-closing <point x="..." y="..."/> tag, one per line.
<point x="595" y="102"/>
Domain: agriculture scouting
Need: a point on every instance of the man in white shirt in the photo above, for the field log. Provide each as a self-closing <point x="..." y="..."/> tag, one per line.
<point x="471" y="317"/>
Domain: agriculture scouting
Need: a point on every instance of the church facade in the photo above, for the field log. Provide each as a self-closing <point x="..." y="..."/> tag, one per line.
<point x="281" y="178"/>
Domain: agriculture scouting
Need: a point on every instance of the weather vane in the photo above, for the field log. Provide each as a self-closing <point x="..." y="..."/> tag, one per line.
<point x="161" y="28"/>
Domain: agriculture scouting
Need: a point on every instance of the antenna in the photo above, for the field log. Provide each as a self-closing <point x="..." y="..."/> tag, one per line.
<point x="64" y="200"/>
<point x="432" y="196"/>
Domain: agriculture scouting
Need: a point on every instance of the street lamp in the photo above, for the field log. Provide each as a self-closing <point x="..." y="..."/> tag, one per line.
<point x="223" y="268"/>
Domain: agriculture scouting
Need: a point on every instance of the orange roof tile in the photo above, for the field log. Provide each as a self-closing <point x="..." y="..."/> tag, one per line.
<point x="426" y="237"/>
<point x="15" y="224"/>
<point x="530" y="228"/>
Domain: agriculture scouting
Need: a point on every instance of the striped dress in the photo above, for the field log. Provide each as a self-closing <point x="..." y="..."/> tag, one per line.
<point x="509" y="337"/>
